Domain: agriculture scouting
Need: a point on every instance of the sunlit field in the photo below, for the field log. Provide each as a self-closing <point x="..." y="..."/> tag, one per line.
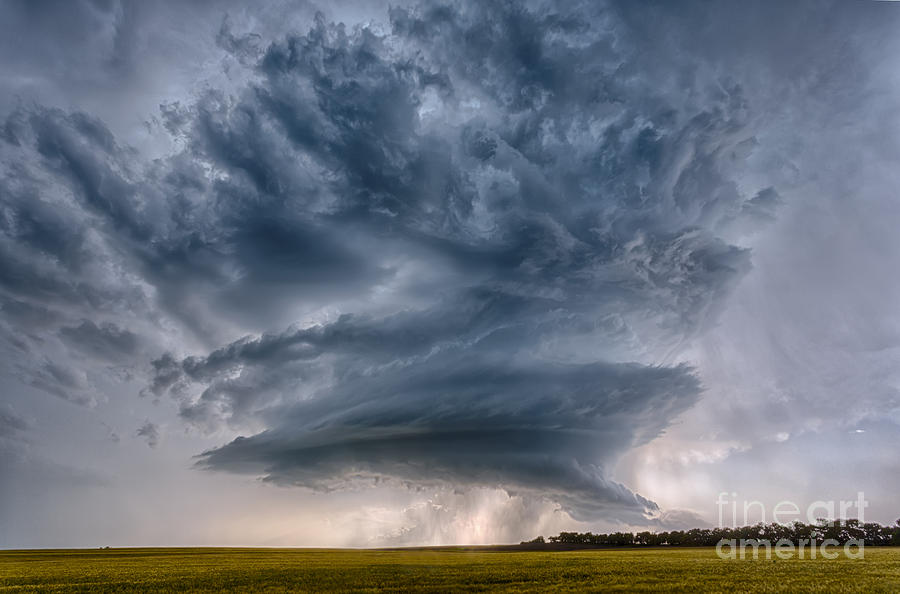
<point x="274" y="570"/>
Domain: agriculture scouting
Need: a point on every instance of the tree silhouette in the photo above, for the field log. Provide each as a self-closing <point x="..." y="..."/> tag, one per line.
<point x="842" y="531"/>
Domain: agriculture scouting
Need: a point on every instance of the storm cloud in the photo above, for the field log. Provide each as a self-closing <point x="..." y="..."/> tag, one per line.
<point x="539" y="231"/>
<point x="451" y="245"/>
<point x="501" y="228"/>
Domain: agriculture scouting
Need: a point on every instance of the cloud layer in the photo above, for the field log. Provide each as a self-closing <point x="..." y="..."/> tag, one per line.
<point x="461" y="247"/>
<point x="520" y="232"/>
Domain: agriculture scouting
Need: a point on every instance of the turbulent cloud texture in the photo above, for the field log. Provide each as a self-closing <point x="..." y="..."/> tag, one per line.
<point x="491" y="230"/>
<point x="454" y="245"/>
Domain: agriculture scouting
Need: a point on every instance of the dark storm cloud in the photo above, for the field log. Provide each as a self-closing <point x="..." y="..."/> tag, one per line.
<point x="570" y="214"/>
<point x="49" y="254"/>
<point x="149" y="432"/>
<point x="501" y="223"/>
<point x="106" y="341"/>
<point x="68" y="214"/>
<point x="546" y="431"/>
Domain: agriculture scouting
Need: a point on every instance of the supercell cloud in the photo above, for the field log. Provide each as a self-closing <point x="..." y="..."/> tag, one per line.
<point x="455" y="245"/>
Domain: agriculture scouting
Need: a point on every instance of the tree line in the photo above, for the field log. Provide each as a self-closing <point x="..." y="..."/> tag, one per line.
<point x="870" y="533"/>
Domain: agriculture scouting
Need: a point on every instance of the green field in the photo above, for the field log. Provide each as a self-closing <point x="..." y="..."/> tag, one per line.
<point x="274" y="570"/>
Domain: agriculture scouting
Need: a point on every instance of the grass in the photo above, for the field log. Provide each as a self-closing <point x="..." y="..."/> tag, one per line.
<point x="279" y="570"/>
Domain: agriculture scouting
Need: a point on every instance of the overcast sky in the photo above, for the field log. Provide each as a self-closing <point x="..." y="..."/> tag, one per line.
<point x="363" y="274"/>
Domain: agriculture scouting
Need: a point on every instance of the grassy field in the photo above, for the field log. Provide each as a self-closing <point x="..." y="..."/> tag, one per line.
<point x="274" y="570"/>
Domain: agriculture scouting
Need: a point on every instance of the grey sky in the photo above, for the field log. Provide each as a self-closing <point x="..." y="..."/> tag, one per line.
<point x="441" y="272"/>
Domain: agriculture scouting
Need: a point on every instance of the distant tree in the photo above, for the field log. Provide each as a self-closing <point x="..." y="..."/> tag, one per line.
<point x="873" y="534"/>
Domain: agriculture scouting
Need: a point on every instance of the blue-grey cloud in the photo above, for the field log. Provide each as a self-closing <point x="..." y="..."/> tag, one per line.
<point x="105" y="342"/>
<point x="11" y="424"/>
<point x="554" y="214"/>
<point x="462" y="246"/>
<point x="149" y="432"/>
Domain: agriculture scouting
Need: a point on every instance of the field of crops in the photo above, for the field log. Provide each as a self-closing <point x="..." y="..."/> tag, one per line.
<point x="273" y="570"/>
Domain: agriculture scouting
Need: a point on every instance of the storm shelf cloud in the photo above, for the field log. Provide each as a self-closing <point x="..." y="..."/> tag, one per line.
<point x="463" y="245"/>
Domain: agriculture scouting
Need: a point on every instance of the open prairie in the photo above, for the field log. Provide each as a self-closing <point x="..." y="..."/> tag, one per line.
<point x="436" y="570"/>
